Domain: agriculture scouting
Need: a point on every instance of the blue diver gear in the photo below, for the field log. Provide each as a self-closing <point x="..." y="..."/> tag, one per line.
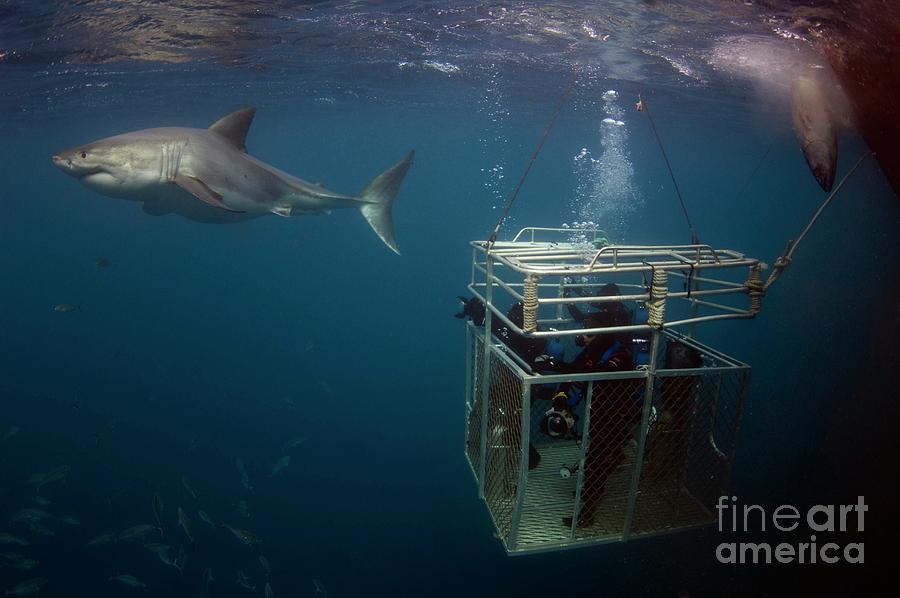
<point x="555" y="349"/>
<point x="640" y="344"/>
<point x="607" y="355"/>
<point x="573" y="397"/>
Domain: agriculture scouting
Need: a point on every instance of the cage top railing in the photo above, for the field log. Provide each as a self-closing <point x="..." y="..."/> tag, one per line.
<point x="566" y="258"/>
<point x="540" y="274"/>
<point x="533" y="231"/>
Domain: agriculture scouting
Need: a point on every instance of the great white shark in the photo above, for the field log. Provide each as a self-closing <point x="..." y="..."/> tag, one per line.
<point x="815" y="129"/>
<point x="206" y="175"/>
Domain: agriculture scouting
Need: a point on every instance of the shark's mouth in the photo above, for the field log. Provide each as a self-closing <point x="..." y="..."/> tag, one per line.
<point x="97" y="178"/>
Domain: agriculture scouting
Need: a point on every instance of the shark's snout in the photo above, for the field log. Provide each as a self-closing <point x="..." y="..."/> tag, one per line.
<point x="71" y="165"/>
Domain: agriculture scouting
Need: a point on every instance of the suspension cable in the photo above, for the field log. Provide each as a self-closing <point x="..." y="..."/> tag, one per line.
<point x="537" y="150"/>
<point x="753" y="173"/>
<point x="642" y="106"/>
<point x="785" y="260"/>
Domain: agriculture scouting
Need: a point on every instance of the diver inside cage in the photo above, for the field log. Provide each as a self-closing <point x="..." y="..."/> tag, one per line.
<point x="615" y="408"/>
<point x="615" y="312"/>
<point x="620" y="314"/>
<point x="528" y="349"/>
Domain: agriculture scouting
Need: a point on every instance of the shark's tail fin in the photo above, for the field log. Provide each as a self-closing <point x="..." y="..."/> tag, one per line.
<point x="379" y="199"/>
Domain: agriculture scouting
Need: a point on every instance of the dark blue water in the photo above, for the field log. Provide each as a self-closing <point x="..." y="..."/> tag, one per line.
<point x="203" y="344"/>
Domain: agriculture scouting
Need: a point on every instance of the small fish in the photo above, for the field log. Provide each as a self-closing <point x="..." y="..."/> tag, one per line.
<point x="24" y="564"/>
<point x="30" y="515"/>
<point x="268" y="591"/>
<point x="181" y="559"/>
<point x="245" y="479"/>
<point x="157" y="512"/>
<point x="40" y="500"/>
<point x="137" y="532"/>
<point x="103" y="262"/>
<point x="247" y="537"/>
<point x="41" y="530"/>
<point x="69" y="520"/>
<point x="129" y="580"/>
<point x="205" y="518"/>
<point x="265" y="565"/>
<point x="185" y="524"/>
<point x="244" y="581"/>
<point x="320" y="589"/>
<point x="162" y="552"/>
<point x="292" y="443"/>
<point x="187" y="486"/>
<point x="17" y="561"/>
<point x="280" y="465"/>
<point x="65" y="308"/>
<point x="207" y="579"/>
<point x="39" y="480"/>
<point x="10" y="432"/>
<point x="27" y="587"/>
<point x="6" y="538"/>
<point x="101" y="540"/>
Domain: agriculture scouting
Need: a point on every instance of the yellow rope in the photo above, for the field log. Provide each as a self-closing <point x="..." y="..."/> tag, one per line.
<point x="530" y="305"/>
<point x="755" y="288"/>
<point x="659" y="290"/>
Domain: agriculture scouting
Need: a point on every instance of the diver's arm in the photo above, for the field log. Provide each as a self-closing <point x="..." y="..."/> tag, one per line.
<point x="576" y="313"/>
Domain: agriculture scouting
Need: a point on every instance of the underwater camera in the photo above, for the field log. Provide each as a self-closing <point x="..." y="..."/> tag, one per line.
<point x="567" y="471"/>
<point x="559" y="421"/>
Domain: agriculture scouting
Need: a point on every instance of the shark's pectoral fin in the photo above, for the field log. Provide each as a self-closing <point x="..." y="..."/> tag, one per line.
<point x="283" y="211"/>
<point x="198" y="189"/>
<point x="155" y="208"/>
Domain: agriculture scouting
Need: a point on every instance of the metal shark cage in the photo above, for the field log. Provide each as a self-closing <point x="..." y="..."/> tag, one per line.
<point x="676" y="456"/>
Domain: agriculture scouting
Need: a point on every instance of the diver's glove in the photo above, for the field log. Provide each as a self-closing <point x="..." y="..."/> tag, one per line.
<point x="471" y="308"/>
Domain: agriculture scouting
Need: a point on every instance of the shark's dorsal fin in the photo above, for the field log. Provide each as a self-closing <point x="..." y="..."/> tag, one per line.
<point x="234" y="127"/>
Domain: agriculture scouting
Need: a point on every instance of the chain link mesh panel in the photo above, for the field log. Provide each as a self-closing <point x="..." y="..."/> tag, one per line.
<point x="687" y="455"/>
<point x="707" y="466"/>
<point x="503" y="456"/>
<point x="473" y="425"/>
<point x="684" y="467"/>
<point x="615" y="412"/>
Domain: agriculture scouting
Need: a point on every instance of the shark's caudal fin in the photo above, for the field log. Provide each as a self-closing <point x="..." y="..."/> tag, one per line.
<point x="379" y="199"/>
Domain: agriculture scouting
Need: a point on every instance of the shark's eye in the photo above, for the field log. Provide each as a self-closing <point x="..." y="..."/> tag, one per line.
<point x="83" y="155"/>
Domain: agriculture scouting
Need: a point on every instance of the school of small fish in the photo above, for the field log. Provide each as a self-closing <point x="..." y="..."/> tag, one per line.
<point x="173" y="539"/>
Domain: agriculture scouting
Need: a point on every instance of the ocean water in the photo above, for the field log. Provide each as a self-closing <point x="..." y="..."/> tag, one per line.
<point x="204" y="344"/>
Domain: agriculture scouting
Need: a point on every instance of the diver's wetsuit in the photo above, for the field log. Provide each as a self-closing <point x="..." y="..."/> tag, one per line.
<point x="526" y="348"/>
<point x="614" y="413"/>
<point x="620" y="315"/>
